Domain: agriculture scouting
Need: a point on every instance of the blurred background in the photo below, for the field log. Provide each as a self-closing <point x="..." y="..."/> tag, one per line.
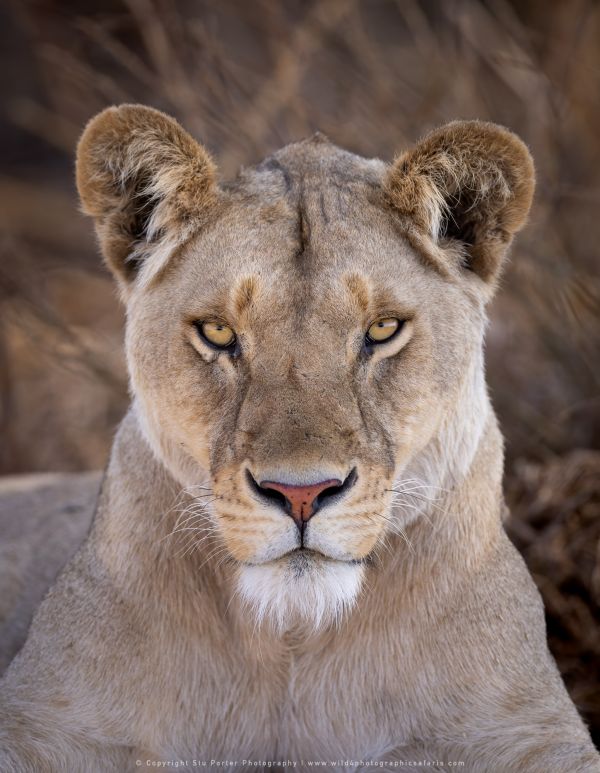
<point x="374" y="75"/>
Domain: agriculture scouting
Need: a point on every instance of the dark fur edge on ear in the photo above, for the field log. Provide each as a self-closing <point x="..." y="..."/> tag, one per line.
<point x="470" y="184"/>
<point x="145" y="181"/>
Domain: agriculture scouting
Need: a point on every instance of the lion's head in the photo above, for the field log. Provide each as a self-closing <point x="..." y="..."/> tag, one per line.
<point x="308" y="337"/>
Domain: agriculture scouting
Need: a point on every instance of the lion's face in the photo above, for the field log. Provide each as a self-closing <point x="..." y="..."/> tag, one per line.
<point x="296" y="355"/>
<point x="302" y="394"/>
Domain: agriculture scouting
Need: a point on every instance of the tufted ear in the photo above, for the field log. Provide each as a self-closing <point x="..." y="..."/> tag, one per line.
<point x="146" y="183"/>
<point x="467" y="185"/>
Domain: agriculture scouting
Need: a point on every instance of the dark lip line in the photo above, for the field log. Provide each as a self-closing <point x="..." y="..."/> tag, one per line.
<point x="365" y="560"/>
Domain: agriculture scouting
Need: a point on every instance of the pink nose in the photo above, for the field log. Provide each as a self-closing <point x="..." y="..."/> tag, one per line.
<point x="301" y="500"/>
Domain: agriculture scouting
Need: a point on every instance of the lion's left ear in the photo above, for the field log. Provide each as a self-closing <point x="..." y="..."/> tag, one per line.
<point x="468" y="184"/>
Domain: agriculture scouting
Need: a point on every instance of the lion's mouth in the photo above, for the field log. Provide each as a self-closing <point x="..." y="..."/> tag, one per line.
<point x="301" y="556"/>
<point x="301" y="559"/>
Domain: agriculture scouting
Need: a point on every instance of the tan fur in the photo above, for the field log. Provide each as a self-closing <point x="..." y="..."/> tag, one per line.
<point x="188" y="626"/>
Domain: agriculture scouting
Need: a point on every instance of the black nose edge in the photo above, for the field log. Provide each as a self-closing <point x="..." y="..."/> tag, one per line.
<point x="335" y="493"/>
<point x="327" y="496"/>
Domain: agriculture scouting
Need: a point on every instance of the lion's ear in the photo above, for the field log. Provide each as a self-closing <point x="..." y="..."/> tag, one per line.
<point x="468" y="185"/>
<point x="146" y="183"/>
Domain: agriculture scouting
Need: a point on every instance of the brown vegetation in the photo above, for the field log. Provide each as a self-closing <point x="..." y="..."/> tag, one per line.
<point x="249" y="77"/>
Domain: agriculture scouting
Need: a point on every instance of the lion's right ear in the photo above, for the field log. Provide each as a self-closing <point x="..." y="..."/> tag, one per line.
<point x="146" y="183"/>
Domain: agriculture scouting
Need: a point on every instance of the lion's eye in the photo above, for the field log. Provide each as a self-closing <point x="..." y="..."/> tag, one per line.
<point x="382" y="330"/>
<point x="217" y="334"/>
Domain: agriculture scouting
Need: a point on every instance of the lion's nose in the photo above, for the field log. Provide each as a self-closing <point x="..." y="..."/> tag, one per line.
<point x="302" y="501"/>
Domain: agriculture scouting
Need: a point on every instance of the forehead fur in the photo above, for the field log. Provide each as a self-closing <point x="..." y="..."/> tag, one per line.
<point x="310" y="223"/>
<point x="306" y="205"/>
<point x="314" y="182"/>
<point x="317" y="161"/>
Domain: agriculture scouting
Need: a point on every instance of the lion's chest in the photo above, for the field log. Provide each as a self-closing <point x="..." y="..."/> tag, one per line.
<point x="336" y="708"/>
<point x="336" y="703"/>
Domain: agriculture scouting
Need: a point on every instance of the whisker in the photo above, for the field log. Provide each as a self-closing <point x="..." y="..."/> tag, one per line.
<point x="422" y="499"/>
<point x="217" y="551"/>
<point x="404" y="536"/>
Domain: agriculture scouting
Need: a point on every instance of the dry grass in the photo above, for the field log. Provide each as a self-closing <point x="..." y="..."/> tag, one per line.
<point x="249" y="77"/>
<point x="555" y="523"/>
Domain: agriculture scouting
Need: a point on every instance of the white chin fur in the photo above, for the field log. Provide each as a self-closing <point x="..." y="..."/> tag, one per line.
<point x="301" y="588"/>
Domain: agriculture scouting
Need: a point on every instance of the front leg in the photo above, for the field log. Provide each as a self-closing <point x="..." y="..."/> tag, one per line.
<point x="528" y="743"/>
<point x="480" y="686"/>
<point x="517" y="751"/>
<point x="67" y="701"/>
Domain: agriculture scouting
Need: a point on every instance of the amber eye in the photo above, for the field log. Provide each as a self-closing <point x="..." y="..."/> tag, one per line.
<point x="382" y="330"/>
<point x="217" y="334"/>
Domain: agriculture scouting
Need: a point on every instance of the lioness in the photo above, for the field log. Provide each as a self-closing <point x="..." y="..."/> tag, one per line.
<point x="298" y="552"/>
